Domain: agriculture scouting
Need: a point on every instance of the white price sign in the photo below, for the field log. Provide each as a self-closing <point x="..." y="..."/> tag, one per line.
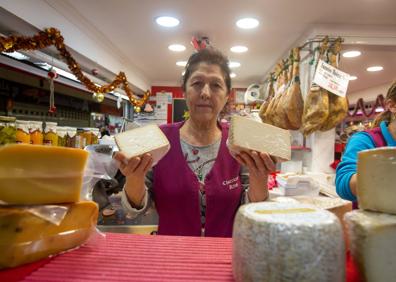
<point x="331" y="79"/>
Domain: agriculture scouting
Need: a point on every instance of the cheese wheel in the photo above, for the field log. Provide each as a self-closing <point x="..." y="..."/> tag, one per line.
<point x="287" y="242"/>
<point x="372" y="238"/>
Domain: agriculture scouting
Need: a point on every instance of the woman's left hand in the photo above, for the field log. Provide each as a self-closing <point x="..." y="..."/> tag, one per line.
<point x="259" y="164"/>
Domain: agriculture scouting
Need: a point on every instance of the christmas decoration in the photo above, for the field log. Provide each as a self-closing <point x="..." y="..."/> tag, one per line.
<point x="52" y="75"/>
<point x="52" y="36"/>
<point x="98" y="97"/>
<point x="95" y="72"/>
<point x="148" y="108"/>
<point x="137" y="109"/>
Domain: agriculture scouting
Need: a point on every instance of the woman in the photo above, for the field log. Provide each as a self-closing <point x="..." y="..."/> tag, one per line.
<point x="382" y="134"/>
<point x="197" y="186"/>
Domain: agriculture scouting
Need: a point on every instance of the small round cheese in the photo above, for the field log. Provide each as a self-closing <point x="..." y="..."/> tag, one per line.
<point x="287" y="242"/>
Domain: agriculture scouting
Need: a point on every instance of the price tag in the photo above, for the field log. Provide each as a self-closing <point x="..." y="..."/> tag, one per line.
<point x="331" y="79"/>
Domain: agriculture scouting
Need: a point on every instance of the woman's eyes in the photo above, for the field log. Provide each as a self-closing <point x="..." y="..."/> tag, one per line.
<point x="215" y="85"/>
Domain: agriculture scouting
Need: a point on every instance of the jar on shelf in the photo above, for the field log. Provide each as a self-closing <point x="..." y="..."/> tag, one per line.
<point x="36" y="132"/>
<point x="81" y="137"/>
<point x="50" y="135"/>
<point x="71" y="140"/>
<point x="7" y="130"/>
<point x="87" y="134"/>
<point x="22" y="131"/>
<point x="95" y="135"/>
<point x="61" y="131"/>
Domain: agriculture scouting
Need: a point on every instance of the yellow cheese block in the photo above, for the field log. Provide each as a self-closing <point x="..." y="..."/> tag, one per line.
<point x="34" y="174"/>
<point x="25" y="237"/>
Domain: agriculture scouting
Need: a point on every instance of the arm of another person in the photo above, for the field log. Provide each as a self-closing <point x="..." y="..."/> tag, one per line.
<point x="346" y="177"/>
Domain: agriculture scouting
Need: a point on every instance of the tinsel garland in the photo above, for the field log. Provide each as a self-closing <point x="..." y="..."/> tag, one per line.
<point x="52" y="36"/>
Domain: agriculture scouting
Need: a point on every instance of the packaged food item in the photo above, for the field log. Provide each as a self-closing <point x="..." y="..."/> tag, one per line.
<point x="95" y="135"/>
<point x="36" y="132"/>
<point x="61" y="131"/>
<point x="26" y="236"/>
<point x="50" y="135"/>
<point x="7" y="130"/>
<point x="81" y="139"/>
<point x="71" y="140"/>
<point x="22" y="131"/>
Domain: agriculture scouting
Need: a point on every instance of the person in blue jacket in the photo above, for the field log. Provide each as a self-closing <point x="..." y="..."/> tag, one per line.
<point x="383" y="133"/>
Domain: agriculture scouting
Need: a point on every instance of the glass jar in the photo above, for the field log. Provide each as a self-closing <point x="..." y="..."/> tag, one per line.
<point x="81" y="138"/>
<point x="61" y="131"/>
<point x="95" y="135"/>
<point x="36" y="133"/>
<point x="7" y="130"/>
<point x="71" y="138"/>
<point x="87" y="135"/>
<point x="50" y="135"/>
<point x="22" y="131"/>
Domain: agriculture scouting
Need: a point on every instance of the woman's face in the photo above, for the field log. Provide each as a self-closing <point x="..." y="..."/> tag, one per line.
<point x="206" y="93"/>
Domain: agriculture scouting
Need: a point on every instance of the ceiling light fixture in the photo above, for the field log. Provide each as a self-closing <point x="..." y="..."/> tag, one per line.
<point x="16" y="55"/>
<point x="234" y="65"/>
<point x="352" y="77"/>
<point x="181" y="63"/>
<point x="167" y="21"/>
<point x="232" y="75"/>
<point x="375" y="68"/>
<point x="239" y="49"/>
<point x="177" y="47"/>
<point x="351" y="54"/>
<point x="247" y="23"/>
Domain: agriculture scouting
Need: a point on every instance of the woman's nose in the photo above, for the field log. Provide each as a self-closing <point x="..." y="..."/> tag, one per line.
<point x="205" y="92"/>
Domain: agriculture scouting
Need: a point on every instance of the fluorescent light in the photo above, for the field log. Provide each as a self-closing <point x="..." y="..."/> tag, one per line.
<point x="66" y="74"/>
<point x="183" y="73"/>
<point x="234" y="65"/>
<point x="352" y="77"/>
<point x="239" y="49"/>
<point x="247" y="23"/>
<point x="167" y="21"/>
<point x="232" y="75"/>
<point x="351" y="54"/>
<point x="375" y="68"/>
<point x="181" y="63"/>
<point x="16" y="55"/>
<point x="177" y="47"/>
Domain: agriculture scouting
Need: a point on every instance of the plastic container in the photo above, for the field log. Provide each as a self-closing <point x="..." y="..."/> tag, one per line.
<point x="50" y="135"/>
<point x="22" y="131"/>
<point x="36" y="132"/>
<point x="7" y="130"/>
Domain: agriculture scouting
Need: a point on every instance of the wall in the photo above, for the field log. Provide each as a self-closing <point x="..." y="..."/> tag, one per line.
<point x="369" y="94"/>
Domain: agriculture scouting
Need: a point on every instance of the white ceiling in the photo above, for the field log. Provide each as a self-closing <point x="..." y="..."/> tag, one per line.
<point x="122" y="34"/>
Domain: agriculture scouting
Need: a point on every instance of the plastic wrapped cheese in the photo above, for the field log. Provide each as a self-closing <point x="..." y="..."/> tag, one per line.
<point x="372" y="238"/>
<point x="36" y="174"/>
<point x="287" y="242"/>
<point x="248" y="134"/>
<point x="141" y="140"/>
<point x="376" y="177"/>
<point x="26" y="236"/>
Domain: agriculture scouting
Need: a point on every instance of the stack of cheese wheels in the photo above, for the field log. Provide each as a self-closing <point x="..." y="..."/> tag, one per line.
<point x="372" y="229"/>
<point x="41" y="213"/>
<point x="287" y="242"/>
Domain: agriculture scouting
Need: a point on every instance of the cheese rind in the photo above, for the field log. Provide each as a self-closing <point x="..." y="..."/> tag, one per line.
<point x="141" y="140"/>
<point x="25" y="237"/>
<point x="246" y="134"/>
<point x="287" y="242"/>
<point x="34" y="174"/>
<point x="372" y="239"/>
<point x="376" y="178"/>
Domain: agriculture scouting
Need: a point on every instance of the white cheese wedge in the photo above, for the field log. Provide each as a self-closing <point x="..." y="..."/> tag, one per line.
<point x="247" y="134"/>
<point x="372" y="238"/>
<point x="287" y="242"/>
<point x="141" y="140"/>
<point x="376" y="179"/>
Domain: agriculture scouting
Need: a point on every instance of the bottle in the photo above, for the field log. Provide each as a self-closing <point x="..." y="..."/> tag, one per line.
<point x="22" y="131"/>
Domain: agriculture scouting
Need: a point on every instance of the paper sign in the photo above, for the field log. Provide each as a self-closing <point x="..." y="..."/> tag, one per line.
<point x="331" y="79"/>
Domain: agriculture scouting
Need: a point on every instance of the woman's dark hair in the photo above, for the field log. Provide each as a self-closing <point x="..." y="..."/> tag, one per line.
<point x="387" y="115"/>
<point x="210" y="56"/>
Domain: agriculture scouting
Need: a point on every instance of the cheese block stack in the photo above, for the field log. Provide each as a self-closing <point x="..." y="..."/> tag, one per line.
<point x="287" y="242"/>
<point x="372" y="229"/>
<point x="40" y="212"/>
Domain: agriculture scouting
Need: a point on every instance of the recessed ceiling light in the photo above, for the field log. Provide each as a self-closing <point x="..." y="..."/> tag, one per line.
<point x="234" y="65"/>
<point x="177" y="47"/>
<point x="181" y="63"/>
<point x="247" y="23"/>
<point x="232" y="75"/>
<point x="375" y="68"/>
<point x="352" y="77"/>
<point x="351" y="54"/>
<point x="167" y="21"/>
<point x="239" y="49"/>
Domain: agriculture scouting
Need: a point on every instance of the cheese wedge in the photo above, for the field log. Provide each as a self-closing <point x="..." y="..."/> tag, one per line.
<point x="287" y="242"/>
<point x="376" y="177"/>
<point x="141" y="140"/>
<point x="36" y="174"/>
<point x="25" y="237"/>
<point x="247" y="134"/>
<point x="372" y="238"/>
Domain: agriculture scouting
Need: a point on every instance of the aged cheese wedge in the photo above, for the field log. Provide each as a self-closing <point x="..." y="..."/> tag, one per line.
<point x="248" y="134"/>
<point x="25" y="237"/>
<point x="372" y="238"/>
<point x="141" y="140"/>
<point x="287" y="242"/>
<point x="35" y="174"/>
<point x="376" y="179"/>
